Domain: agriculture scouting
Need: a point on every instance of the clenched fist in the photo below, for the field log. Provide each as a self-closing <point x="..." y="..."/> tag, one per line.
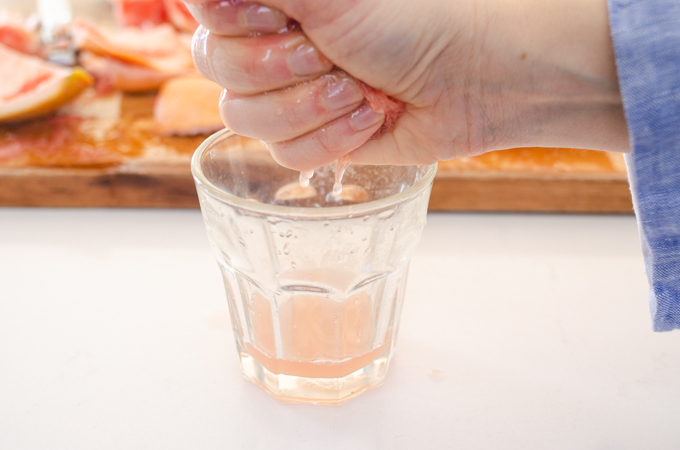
<point x="473" y="76"/>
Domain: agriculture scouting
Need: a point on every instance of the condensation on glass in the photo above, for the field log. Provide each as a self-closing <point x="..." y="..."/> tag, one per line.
<point x="314" y="281"/>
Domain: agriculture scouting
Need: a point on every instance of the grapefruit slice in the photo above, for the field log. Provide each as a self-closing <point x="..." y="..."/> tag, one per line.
<point x="139" y="13"/>
<point x="32" y="87"/>
<point x="179" y="16"/>
<point x="18" y="33"/>
<point x="111" y="73"/>
<point x="188" y="106"/>
<point x="383" y="104"/>
<point x="161" y="48"/>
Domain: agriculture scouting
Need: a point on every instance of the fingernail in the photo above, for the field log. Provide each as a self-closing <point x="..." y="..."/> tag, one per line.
<point x="364" y="118"/>
<point x="341" y="93"/>
<point x="306" y="60"/>
<point x="199" y="51"/>
<point x="263" y="19"/>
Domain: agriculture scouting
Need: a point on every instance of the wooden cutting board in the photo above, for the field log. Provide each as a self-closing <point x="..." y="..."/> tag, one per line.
<point x="113" y="157"/>
<point x="537" y="179"/>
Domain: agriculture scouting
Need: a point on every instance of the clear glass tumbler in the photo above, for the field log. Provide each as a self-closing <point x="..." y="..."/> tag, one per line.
<point x="315" y="281"/>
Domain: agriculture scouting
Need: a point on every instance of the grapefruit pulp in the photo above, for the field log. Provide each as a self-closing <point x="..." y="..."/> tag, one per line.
<point x="33" y="87"/>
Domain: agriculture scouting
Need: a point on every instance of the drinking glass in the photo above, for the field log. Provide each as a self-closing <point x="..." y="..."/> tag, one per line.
<point x="315" y="281"/>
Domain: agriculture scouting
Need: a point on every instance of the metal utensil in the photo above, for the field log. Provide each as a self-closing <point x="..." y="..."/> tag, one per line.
<point x="55" y="17"/>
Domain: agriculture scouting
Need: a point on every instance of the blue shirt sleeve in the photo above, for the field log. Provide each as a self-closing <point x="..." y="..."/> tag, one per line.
<point x="646" y="36"/>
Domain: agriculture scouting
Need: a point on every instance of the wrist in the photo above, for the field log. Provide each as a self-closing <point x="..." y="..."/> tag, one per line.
<point x="558" y="81"/>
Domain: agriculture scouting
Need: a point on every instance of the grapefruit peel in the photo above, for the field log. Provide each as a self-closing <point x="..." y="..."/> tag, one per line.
<point x="35" y="87"/>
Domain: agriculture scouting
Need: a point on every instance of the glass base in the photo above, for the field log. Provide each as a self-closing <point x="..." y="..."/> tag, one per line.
<point x="319" y="391"/>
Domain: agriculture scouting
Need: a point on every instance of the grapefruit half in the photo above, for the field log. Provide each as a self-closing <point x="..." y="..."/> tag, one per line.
<point x="32" y="87"/>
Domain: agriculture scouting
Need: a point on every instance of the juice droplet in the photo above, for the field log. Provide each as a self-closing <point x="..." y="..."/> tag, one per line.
<point x="343" y="164"/>
<point x="305" y="176"/>
<point x="289" y="233"/>
<point x="351" y="193"/>
<point x="286" y="249"/>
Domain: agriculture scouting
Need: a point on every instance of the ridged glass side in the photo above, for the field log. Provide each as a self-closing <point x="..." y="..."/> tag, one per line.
<point x="314" y="303"/>
<point x="315" y="283"/>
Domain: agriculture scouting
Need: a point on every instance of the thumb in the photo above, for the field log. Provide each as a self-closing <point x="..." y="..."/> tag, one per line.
<point x="312" y="12"/>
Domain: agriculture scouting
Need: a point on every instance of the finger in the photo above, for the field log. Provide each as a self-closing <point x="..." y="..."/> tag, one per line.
<point x="237" y="17"/>
<point x="248" y="65"/>
<point x="286" y="114"/>
<point x="311" y="11"/>
<point x="404" y="145"/>
<point x="324" y="145"/>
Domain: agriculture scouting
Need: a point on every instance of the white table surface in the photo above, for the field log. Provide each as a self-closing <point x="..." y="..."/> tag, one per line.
<point x="518" y="332"/>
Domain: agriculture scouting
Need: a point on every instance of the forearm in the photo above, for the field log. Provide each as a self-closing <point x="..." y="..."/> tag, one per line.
<point x="560" y="88"/>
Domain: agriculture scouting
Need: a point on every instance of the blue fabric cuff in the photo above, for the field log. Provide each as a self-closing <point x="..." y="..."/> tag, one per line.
<point x="646" y="36"/>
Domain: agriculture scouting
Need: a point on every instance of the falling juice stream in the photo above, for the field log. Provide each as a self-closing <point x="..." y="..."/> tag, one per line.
<point x="342" y="165"/>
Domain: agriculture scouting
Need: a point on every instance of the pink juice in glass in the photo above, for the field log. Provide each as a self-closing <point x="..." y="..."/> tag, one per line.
<point x="315" y="281"/>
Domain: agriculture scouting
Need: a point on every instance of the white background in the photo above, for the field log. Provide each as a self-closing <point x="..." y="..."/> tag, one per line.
<point x="518" y="332"/>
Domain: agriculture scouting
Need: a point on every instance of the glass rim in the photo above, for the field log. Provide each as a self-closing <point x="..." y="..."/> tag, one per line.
<point x="299" y="212"/>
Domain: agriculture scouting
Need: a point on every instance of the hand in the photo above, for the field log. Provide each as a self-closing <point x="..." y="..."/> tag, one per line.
<point x="476" y="76"/>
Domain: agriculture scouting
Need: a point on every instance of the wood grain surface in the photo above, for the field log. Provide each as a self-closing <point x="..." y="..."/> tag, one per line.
<point x="538" y="194"/>
<point x="115" y="158"/>
<point x="170" y="185"/>
<point x="537" y="180"/>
